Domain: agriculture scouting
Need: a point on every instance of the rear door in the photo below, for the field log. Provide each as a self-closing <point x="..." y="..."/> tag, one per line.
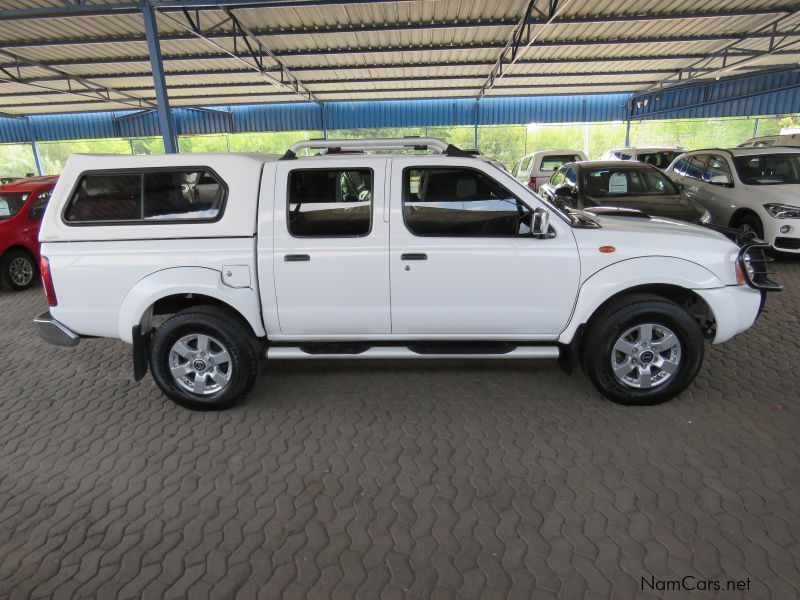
<point x="463" y="261"/>
<point x="331" y="247"/>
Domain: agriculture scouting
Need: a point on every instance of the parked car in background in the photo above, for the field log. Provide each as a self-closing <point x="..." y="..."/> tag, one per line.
<point x="750" y="189"/>
<point x="789" y="139"/>
<point x="364" y="256"/>
<point x="536" y="168"/>
<point x="658" y="156"/>
<point x="22" y="204"/>
<point x="620" y="184"/>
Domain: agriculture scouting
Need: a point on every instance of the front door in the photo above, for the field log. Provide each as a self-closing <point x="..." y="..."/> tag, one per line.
<point x="463" y="261"/>
<point x="330" y="248"/>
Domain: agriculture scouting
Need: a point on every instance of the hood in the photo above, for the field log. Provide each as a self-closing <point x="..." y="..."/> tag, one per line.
<point x="788" y="193"/>
<point x="672" y="207"/>
<point x="635" y="237"/>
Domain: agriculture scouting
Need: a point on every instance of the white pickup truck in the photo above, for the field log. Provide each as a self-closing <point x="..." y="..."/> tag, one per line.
<point x="357" y="254"/>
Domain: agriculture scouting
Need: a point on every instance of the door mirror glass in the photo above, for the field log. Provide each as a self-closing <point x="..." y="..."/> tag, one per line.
<point x="541" y="223"/>
<point x="720" y="180"/>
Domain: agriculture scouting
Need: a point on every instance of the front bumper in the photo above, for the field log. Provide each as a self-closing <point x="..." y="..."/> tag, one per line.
<point x="735" y="309"/>
<point x="53" y="332"/>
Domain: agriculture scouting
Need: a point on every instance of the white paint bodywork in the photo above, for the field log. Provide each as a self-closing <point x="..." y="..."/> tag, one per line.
<point x="725" y="203"/>
<point x="108" y="277"/>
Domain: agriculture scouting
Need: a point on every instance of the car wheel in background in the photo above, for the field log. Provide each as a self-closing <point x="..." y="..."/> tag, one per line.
<point x="750" y="222"/>
<point x="17" y="270"/>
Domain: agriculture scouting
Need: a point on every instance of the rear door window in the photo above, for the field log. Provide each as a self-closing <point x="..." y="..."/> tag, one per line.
<point x="552" y="163"/>
<point x="330" y="202"/>
<point x="39" y="205"/>
<point x="696" y="166"/>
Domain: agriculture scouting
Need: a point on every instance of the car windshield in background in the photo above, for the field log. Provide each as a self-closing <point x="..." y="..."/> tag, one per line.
<point x="661" y="159"/>
<point x="768" y="169"/>
<point x="10" y="204"/>
<point x="553" y="163"/>
<point x="608" y="181"/>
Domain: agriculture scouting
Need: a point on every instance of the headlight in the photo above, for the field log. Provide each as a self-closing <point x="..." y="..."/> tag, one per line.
<point x="706" y="218"/>
<point x="783" y="211"/>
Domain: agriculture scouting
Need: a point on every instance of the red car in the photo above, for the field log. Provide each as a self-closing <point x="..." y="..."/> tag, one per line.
<point x="22" y="204"/>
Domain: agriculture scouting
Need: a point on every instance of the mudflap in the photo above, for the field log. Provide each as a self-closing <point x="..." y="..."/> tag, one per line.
<point x="141" y="352"/>
<point x="568" y="357"/>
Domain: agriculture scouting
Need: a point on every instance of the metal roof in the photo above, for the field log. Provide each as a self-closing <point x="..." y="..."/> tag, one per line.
<point x="92" y="55"/>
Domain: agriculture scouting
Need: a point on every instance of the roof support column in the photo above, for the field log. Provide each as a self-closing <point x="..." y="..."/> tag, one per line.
<point x="36" y="158"/>
<point x="166" y="121"/>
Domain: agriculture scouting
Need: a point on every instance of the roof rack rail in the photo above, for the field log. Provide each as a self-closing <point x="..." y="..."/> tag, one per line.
<point x="402" y="143"/>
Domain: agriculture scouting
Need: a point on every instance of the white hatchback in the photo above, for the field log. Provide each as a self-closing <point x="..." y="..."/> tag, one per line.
<point x="536" y="168"/>
<point x="751" y="189"/>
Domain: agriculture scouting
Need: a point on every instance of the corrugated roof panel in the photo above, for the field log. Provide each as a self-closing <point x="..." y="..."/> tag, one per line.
<point x="277" y="117"/>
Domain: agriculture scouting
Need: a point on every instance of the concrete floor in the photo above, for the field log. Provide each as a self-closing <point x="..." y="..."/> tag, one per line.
<point x="397" y="480"/>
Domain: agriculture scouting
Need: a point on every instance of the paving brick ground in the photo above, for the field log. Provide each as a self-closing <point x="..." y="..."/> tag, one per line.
<point x="397" y="480"/>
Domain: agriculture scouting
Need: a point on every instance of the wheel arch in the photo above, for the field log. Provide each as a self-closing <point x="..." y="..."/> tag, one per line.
<point x="670" y="278"/>
<point x="741" y="212"/>
<point x="171" y="290"/>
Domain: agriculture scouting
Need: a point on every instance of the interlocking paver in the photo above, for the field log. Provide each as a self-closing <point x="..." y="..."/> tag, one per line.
<point x="397" y="480"/>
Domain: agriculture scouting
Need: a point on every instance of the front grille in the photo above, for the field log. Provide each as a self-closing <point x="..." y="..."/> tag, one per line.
<point x="787" y="243"/>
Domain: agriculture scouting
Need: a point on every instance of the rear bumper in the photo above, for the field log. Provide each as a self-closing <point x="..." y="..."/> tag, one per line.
<point x="53" y="332"/>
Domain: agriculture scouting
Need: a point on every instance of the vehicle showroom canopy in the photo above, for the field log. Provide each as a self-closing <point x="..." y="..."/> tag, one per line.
<point x="68" y="56"/>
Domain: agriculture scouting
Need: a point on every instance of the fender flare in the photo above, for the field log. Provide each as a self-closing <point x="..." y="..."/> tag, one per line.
<point x="186" y="280"/>
<point x="632" y="273"/>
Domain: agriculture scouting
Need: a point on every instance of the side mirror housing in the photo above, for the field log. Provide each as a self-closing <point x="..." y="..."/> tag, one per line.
<point x="719" y="180"/>
<point x="541" y="223"/>
<point x="564" y="191"/>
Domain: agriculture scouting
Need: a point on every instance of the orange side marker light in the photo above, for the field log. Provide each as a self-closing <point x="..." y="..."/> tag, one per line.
<point x="607" y="249"/>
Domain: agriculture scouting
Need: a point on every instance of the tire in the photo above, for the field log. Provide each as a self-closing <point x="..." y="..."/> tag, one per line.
<point x="214" y="354"/>
<point x="671" y="367"/>
<point x="17" y="270"/>
<point x="750" y="222"/>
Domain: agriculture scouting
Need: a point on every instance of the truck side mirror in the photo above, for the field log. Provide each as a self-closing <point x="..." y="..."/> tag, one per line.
<point x="541" y="223"/>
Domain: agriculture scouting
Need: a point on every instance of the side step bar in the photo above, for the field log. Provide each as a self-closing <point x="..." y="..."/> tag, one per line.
<point x="396" y="352"/>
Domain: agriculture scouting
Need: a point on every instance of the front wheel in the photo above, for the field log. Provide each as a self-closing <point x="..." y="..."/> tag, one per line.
<point x="204" y="359"/>
<point x="17" y="270"/>
<point x="642" y="350"/>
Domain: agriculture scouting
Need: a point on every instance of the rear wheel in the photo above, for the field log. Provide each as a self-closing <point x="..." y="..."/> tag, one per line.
<point x="642" y="350"/>
<point x="204" y="359"/>
<point x="17" y="270"/>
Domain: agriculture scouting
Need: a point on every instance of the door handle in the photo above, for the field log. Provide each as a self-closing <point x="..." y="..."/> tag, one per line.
<point x="296" y="258"/>
<point x="414" y="256"/>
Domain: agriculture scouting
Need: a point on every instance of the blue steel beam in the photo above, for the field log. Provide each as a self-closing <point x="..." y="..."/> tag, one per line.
<point x="36" y="158"/>
<point x="165" y="118"/>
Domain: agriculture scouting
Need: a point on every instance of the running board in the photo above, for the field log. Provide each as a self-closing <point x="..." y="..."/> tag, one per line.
<point x="396" y="352"/>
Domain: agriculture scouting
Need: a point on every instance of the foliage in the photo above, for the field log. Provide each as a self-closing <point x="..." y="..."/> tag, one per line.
<point x="508" y="143"/>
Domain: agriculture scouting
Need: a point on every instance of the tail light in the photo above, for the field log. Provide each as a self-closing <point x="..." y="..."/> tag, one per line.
<point x="532" y="183"/>
<point x="47" y="280"/>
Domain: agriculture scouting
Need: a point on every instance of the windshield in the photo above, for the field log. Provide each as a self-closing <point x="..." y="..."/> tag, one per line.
<point x="10" y="204"/>
<point x="605" y="182"/>
<point x="768" y="169"/>
<point x="661" y="159"/>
